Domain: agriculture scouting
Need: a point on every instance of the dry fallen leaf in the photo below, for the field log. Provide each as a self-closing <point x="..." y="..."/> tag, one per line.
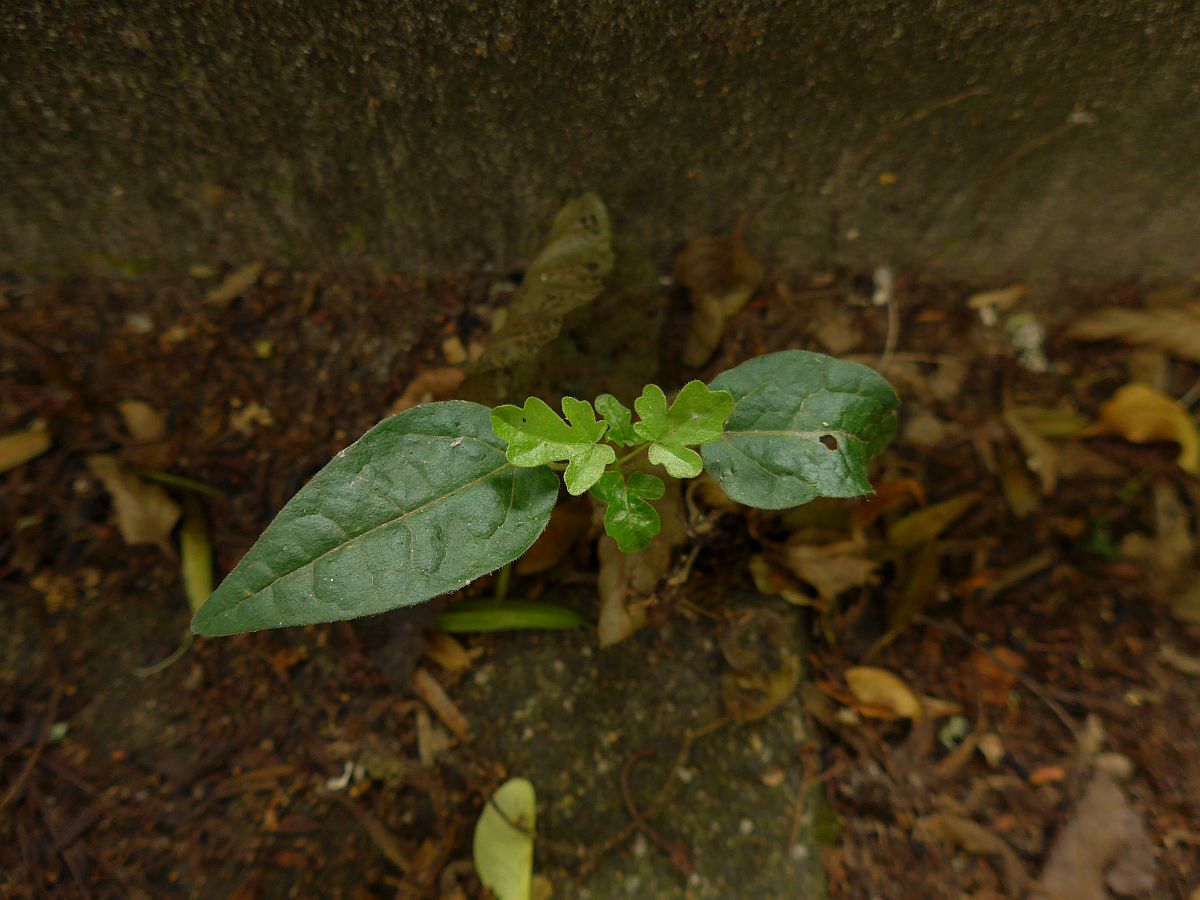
<point x="927" y="524"/>
<point x="627" y="580"/>
<point x="235" y="284"/>
<point x="20" y="447"/>
<point x="1170" y="556"/>
<point x="440" y="383"/>
<point x="246" y="418"/>
<point x="974" y="838"/>
<point x="445" y="650"/>
<point x="1104" y="845"/>
<point x="760" y="647"/>
<point x="990" y="304"/>
<point x="883" y="695"/>
<point x="830" y="568"/>
<point x="145" y="512"/>
<point x="1040" y="455"/>
<point x="721" y="277"/>
<point x="1172" y="329"/>
<point x="142" y="421"/>
<point x="1141" y="414"/>
<point x="430" y="690"/>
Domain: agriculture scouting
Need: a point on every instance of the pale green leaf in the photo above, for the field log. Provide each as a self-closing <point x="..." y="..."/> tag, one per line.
<point x="536" y="436"/>
<point x="619" y="418"/>
<point x="696" y="417"/>
<point x="804" y="425"/>
<point x="424" y="503"/>
<point x="503" y="845"/>
<point x="629" y="520"/>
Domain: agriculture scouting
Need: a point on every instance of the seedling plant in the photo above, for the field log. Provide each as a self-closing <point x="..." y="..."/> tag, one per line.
<point x="431" y="499"/>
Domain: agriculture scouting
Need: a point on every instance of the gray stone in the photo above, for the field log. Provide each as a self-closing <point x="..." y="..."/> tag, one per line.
<point x="1017" y="138"/>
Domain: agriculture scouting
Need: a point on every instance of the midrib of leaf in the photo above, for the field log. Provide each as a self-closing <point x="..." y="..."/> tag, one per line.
<point x="405" y="514"/>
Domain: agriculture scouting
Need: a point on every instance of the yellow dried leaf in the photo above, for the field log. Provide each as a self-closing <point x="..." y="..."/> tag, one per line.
<point x="882" y="694"/>
<point x="20" y="447"/>
<point x="440" y="383"/>
<point x="1050" y="422"/>
<point x="1141" y="414"/>
<point x="145" y="512"/>
<point x="990" y="304"/>
<point x="927" y="524"/>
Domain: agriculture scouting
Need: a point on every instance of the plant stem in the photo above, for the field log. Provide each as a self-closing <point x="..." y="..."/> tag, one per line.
<point x="631" y="454"/>
<point x="501" y="589"/>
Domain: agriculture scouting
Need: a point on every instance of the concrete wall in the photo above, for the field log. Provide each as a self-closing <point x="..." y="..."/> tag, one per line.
<point x="983" y="140"/>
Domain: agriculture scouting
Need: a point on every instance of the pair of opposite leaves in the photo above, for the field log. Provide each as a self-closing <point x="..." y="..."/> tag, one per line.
<point x="536" y="435"/>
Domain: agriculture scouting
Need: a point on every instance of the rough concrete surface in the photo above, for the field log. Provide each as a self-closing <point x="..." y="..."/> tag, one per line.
<point x="980" y="140"/>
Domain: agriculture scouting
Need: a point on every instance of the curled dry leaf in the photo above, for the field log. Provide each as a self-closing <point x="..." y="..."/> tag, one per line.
<point x="771" y="580"/>
<point x="1172" y="329"/>
<point x="1170" y="555"/>
<point x="1139" y="413"/>
<point x="20" y="447"/>
<point x="883" y="695"/>
<point x="761" y="649"/>
<point x="1040" y="455"/>
<point x="568" y="522"/>
<point x="440" y="383"/>
<point x="721" y="276"/>
<point x="430" y="690"/>
<point x="145" y="513"/>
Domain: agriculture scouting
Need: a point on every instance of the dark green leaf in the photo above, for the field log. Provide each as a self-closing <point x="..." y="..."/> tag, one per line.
<point x="619" y="418"/>
<point x="696" y="417"/>
<point x="804" y="425"/>
<point x="536" y="436"/>
<point x="472" y="616"/>
<point x="424" y="503"/>
<point x="629" y="519"/>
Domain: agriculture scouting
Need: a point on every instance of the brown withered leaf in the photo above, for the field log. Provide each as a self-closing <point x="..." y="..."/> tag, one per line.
<point x="975" y="838"/>
<point x="1172" y="329"/>
<point x="927" y="524"/>
<point x="145" y="512"/>
<point x="721" y="276"/>
<point x="142" y="421"/>
<point x="1171" y="556"/>
<point x="1143" y="415"/>
<point x="830" y="568"/>
<point x="567" y="274"/>
<point x="439" y="383"/>
<point x="627" y="580"/>
<point x="1103" y="846"/>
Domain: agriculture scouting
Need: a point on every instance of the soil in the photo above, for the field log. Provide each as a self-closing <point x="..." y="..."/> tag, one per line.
<point x="224" y="774"/>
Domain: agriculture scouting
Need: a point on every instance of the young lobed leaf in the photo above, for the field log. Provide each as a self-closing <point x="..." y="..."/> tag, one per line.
<point x="537" y="436"/>
<point x="422" y="504"/>
<point x="804" y="425"/>
<point x="696" y="417"/>
<point x="629" y="519"/>
<point x="619" y="418"/>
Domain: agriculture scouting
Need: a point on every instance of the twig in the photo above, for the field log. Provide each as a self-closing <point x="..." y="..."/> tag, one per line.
<point x="913" y="119"/>
<point x="685" y="747"/>
<point x="676" y="851"/>
<point x="18" y="787"/>
<point x="1040" y="692"/>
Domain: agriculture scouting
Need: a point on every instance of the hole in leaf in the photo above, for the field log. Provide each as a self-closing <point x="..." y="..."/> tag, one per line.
<point x="829" y="441"/>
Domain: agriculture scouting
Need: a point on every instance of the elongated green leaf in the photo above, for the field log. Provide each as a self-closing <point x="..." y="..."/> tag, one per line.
<point x="503" y="845"/>
<point x="804" y="425"/>
<point x="536" y="436"/>
<point x="619" y="418"/>
<point x="696" y="417"/>
<point x="629" y="519"/>
<point x="420" y="505"/>
<point x="472" y="616"/>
